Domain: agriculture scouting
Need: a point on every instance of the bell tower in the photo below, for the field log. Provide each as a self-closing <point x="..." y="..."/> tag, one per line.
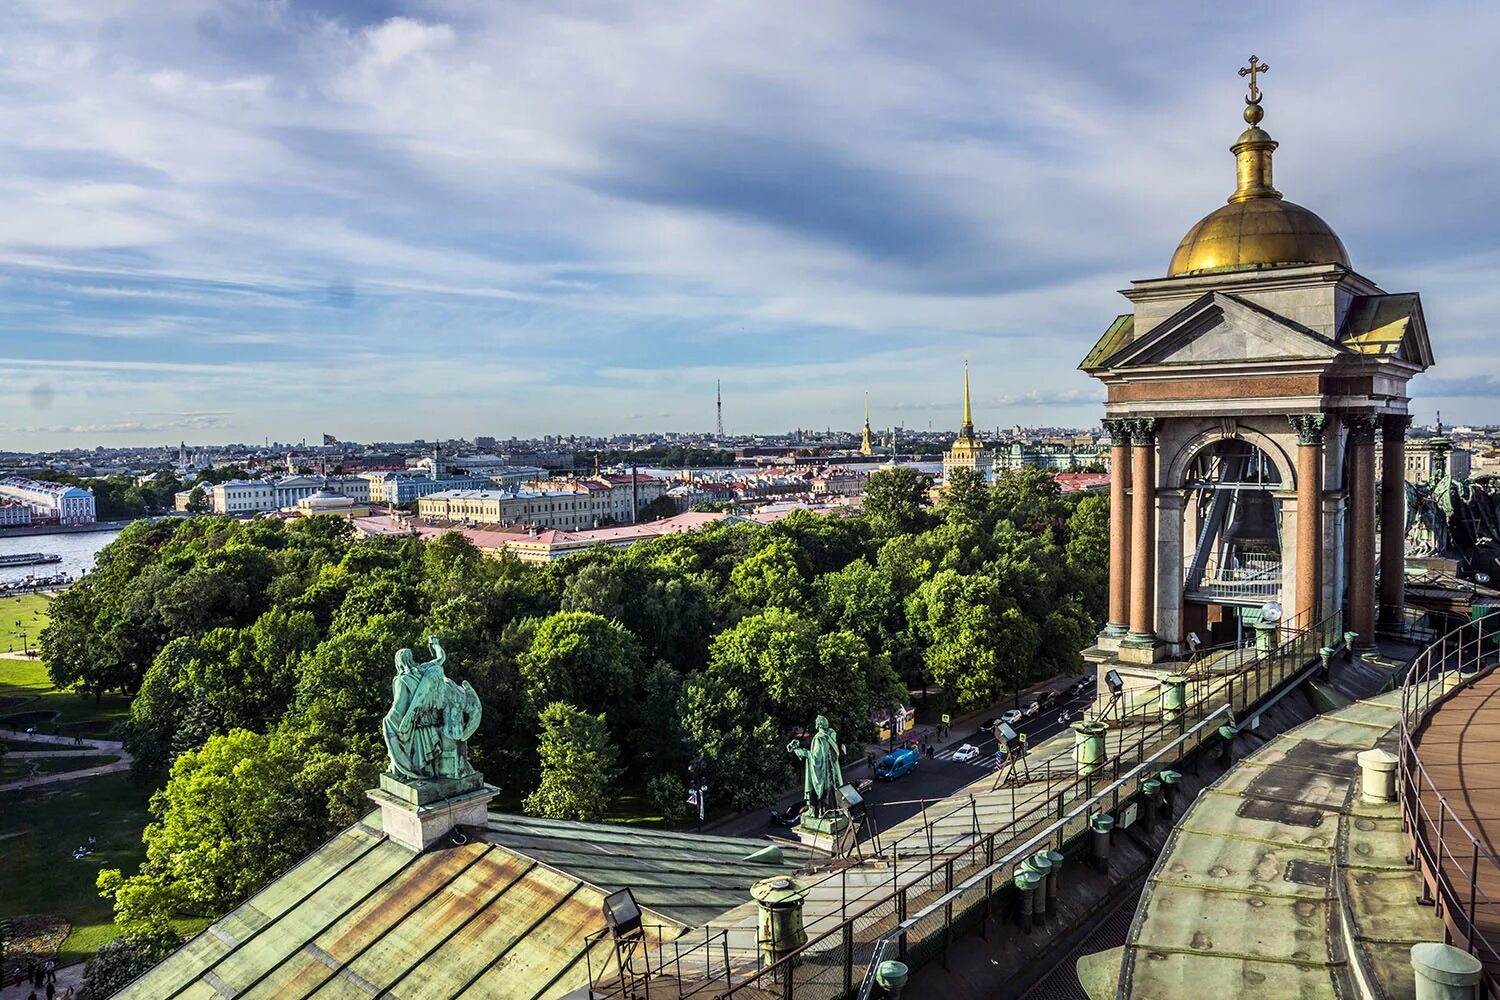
<point x="1245" y="393"/>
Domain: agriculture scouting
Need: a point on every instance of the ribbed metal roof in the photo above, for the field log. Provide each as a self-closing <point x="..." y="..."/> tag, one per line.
<point x="505" y="913"/>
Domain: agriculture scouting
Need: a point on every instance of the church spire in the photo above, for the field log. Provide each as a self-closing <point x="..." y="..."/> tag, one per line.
<point x="867" y="441"/>
<point x="968" y="428"/>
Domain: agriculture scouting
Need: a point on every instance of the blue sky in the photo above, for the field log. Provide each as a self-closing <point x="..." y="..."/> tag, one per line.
<point x="229" y="220"/>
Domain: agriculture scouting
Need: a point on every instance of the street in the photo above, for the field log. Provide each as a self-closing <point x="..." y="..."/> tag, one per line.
<point x="890" y="802"/>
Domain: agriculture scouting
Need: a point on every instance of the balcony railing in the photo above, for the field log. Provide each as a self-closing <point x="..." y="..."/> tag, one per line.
<point x="1454" y="862"/>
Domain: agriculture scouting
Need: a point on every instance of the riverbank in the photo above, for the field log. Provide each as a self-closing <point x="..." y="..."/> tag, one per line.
<point x="26" y="530"/>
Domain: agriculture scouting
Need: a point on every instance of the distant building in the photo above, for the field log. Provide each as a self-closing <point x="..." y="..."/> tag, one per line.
<point x="54" y="502"/>
<point x="1056" y="457"/>
<point x="14" y="512"/>
<point x="397" y="488"/>
<point x="967" y="451"/>
<point x="243" y="496"/>
<point x="1421" y="456"/>
<point x="255" y="496"/>
<point x="567" y="504"/>
<point x="325" y="502"/>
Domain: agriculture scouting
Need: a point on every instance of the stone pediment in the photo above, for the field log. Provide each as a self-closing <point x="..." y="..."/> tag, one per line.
<point x="1221" y="328"/>
<point x="1388" y="326"/>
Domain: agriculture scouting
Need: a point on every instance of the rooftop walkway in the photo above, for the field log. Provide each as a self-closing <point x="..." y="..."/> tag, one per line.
<point x="1459" y="745"/>
<point x="1281" y="880"/>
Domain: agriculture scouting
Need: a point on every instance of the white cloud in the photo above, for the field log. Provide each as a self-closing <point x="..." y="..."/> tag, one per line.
<point x="472" y="206"/>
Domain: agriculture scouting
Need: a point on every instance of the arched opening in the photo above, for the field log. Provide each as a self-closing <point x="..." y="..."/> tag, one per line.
<point x="1232" y="514"/>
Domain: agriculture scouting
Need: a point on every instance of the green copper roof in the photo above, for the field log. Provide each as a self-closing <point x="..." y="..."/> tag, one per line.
<point x="684" y="876"/>
<point x="504" y="914"/>
<point x="1117" y="336"/>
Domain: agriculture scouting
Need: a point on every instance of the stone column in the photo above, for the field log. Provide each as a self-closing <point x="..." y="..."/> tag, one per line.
<point x="1119" y="528"/>
<point x="1170" y="505"/>
<point x="1309" y="428"/>
<point x="1142" y="533"/>
<point x="1393" y="519"/>
<point x="1361" y="529"/>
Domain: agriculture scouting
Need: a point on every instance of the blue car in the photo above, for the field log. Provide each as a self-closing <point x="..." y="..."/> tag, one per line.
<point x="896" y="763"/>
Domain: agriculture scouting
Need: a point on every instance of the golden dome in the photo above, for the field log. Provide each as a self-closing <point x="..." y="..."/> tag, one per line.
<point x="1259" y="232"/>
<point x="1258" y="228"/>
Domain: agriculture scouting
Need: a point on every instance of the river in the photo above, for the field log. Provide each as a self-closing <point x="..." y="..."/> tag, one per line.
<point x="77" y="549"/>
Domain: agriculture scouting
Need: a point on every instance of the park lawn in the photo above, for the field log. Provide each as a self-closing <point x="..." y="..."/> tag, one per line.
<point x="22" y="619"/>
<point x="28" y="697"/>
<point x="43" y="826"/>
<point x="16" y="768"/>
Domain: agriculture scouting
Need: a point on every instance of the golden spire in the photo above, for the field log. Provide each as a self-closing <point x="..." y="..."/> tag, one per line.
<point x="1253" y="149"/>
<point x="968" y="428"/>
<point x="866" y="442"/>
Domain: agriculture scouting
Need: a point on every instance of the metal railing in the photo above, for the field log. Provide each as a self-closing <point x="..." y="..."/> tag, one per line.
<point x="1451" y="859"/>
<point x="939" y="889"/>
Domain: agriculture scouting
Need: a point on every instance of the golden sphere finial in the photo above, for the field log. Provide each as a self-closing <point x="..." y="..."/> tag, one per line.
<point x="1253" y="114"/>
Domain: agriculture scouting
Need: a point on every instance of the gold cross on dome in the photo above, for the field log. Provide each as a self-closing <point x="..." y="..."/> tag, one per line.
<point x="1256" y="66"/>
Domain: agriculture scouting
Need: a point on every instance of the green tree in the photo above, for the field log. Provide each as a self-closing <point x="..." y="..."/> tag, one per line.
<point x="199" y="501"/>
<point x="119" y="962"/>
<point x="581" y="659"/>
<point x="1088" y="554"/>
<point x="667" y="794"/>
<point x="233" y="814"/>
<point x="979" y="644"/>
<point x="771" y="672"/>
<point x="770" y="578"/>
<point x="578" y="765"/>
<point x="896" y="500"/>
<point x="662" y="506"/>
<point x="965" y="498"/>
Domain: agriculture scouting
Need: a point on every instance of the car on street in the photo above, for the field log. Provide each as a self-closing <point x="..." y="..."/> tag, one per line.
<point x="1033" y="709"/>
<point x="896" y="763"/>
<point x="966" y="752"/>
<point x="791" y="816"/>
<point x="1048" y="698"/>
<point x="1013" y="716"/>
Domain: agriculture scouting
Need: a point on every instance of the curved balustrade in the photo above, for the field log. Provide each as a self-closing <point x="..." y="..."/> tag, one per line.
<point x="1452" y="848"/>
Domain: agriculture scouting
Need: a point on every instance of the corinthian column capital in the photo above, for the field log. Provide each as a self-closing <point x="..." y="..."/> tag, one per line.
<point x="1309" y="427"/>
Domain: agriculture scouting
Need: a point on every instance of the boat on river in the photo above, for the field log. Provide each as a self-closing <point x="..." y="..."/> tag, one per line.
<point x="28" y="559"/>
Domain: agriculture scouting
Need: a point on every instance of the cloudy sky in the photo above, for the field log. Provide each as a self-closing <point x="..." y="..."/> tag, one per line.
<point x="381" y="219"/>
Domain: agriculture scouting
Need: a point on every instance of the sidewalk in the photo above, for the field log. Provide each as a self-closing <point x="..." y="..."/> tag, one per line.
<point x="89" y="748"/>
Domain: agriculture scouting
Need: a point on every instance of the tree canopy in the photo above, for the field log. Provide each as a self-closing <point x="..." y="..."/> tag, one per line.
<point x="259" y="655"/>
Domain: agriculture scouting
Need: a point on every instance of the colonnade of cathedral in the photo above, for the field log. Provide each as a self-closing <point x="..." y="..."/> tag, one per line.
<point x="1140" y="502"/>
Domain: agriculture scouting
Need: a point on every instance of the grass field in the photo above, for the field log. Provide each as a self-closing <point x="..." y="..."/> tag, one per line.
<point x="22" y="619"/>
<point x="42" y="826"/>
<point x="16" y="768"/>
<point x="37" y="870"/>
<point x="27" y="697"/>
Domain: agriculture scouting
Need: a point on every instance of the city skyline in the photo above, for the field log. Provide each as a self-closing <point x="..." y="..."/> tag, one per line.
<point x="229" y="222"/>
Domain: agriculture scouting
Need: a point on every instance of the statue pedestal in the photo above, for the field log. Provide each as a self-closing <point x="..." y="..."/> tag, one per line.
<point x="420" y="813"/>
<point x="824" y="833"/>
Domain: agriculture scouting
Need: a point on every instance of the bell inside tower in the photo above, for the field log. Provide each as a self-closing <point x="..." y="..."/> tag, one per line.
<point x="1234" y="515"/>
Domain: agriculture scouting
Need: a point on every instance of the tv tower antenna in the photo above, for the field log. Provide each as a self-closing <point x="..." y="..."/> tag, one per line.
<point x="719" y="407"/>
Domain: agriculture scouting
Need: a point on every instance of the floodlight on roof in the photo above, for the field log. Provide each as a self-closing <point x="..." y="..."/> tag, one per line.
<point x="1007" y="733"/>
<point x="1113" y="679"/>
<point x="1270" y="612"/>
<point x="851" y="795"/>
<point x="623" y="915"/>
